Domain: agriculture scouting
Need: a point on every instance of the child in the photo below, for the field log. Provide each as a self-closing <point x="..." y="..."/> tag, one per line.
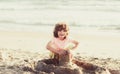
<point x="61" y="44"/>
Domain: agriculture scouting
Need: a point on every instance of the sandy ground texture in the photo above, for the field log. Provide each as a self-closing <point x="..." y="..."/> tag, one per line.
<point x="25" y="62"/>
<point x="20" y="52"/>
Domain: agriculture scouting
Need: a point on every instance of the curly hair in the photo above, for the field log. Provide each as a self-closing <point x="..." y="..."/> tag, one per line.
<point x="59" y="27"/>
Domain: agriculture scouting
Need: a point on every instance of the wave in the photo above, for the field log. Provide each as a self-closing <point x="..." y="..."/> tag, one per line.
<point x="103" y="5"/>
<point x="96" y="14"/>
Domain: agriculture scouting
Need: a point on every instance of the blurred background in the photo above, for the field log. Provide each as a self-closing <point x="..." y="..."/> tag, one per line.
<point x="85" y="14"/>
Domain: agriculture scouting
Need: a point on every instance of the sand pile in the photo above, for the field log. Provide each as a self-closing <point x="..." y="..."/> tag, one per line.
<point x="25" y="62"/>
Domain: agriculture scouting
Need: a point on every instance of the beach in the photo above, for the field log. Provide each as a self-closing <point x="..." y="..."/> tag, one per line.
<point x="98" y="43"/>
<point x="27" y="25"/>
<point x="98" y="47"/>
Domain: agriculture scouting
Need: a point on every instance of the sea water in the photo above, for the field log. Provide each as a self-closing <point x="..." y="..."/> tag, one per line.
<point x="24" y="14"/>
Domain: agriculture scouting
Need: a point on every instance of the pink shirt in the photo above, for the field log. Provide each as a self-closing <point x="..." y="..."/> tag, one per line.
<point x="60" y="44"/>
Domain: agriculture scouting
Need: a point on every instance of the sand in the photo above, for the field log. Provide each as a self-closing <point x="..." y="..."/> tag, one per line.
<point x="17" y="47"/>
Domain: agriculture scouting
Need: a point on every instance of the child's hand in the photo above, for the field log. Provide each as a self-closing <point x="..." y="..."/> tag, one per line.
<point x="62" y="52"/>
<point x="69" y="46"/>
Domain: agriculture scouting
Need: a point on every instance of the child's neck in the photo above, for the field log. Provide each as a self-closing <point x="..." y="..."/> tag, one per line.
<point x="61" y="39"/>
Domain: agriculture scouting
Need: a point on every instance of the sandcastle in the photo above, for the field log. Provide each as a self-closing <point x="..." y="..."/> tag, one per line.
<point x="67" y="66"/>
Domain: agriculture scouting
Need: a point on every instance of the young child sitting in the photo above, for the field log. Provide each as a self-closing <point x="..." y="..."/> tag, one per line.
<point x="61" y="44"/>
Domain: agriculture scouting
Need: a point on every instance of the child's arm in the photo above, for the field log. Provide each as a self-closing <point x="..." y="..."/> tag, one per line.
<point x="50" y="46"/>
<point x="76" y="43"/>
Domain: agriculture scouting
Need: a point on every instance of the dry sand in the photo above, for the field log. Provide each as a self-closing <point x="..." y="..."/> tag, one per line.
<point x="99" y="48"/>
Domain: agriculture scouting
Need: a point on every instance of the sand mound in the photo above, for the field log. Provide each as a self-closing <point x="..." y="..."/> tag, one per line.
<point x="24" y="62"/>
<point x="44" y="68"/>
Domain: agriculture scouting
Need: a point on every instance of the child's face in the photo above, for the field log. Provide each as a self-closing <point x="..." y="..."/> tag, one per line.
<point x="62" y="34"/>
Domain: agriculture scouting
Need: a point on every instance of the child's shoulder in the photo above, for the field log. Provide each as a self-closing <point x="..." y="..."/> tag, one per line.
<point x="72" y="39"/>
<point x="69" y="37"/>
